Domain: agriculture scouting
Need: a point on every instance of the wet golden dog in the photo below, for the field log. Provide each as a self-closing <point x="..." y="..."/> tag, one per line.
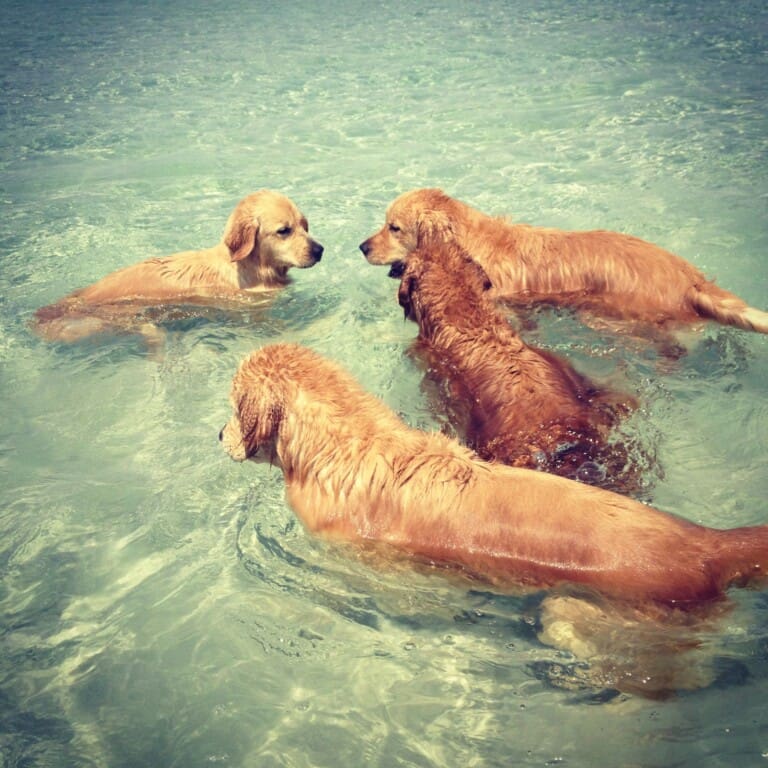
<point x="606" y="273"/>
<point x="354" y="472"/>
<point x="265" y="236"/>
<point x="524" y="406"/>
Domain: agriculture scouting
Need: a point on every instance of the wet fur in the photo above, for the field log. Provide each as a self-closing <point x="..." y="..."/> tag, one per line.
<point x="354" y="472"/>
<point x="526" y="407"/>
<point x="264" y="237"/>
<point x="608" y="274"/>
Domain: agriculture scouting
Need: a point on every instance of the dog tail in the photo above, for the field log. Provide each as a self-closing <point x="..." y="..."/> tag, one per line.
<point x="716" y="304"/>
<point x="741" y="557"/>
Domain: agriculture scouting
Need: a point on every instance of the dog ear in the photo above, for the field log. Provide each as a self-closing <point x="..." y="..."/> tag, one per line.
<point x="240" y="235"/>
<point x="460" y="261"/>
<point x="259" y="421"/>
<point x="434" y="226"/>
<point x="434" y="222"/>
<point x="408" y="284"/>
<point x="482" y="278"/>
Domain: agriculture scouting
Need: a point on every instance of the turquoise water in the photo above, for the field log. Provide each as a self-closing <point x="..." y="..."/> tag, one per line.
<point x="160" y="604"/>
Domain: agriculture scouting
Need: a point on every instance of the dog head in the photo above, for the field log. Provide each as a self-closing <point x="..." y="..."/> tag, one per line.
<point x="408" y="291"/>
<point x="267" y="228"/>
<point x="440" y="275"/>
<point x="257" y="400"/>
<point x="410" y="218"/>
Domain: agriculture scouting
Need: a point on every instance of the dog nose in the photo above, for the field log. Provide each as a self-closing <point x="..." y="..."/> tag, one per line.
<point x="317" y="251"/>
<point x="365" y="247"/>
<point x="221" y="434"/>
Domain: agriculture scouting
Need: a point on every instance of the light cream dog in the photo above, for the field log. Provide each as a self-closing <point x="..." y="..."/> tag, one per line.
<point x="265" y="236"/>
<point x="606" y="273"/>
<point x="354" y="472"/>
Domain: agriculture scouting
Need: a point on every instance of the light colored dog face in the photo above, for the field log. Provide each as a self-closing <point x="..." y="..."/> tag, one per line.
<point x="409" y="219"/>
<point x="269" y="228"/>
<point x="257" y="410"/>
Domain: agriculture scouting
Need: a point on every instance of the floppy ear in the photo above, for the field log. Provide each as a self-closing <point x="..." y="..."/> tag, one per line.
<point x="480" y="275"/>
<point x="240" y="235"/>
<point x="259" y="421"/>
<point x="434" y="226"/>
<point x="405" y="291"/>
<point x="460" y="261"/>
<point x="434" y="216"/>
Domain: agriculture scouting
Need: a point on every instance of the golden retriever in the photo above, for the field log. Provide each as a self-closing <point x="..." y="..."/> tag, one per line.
<point x="605" y="273"/>
<point x="355" y="472"/>
<point x="524" y="406"/>
<point x="264" y="237"/>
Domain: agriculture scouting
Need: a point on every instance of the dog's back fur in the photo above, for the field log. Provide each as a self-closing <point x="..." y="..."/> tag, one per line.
<point x="607" y="273"/>
<point x="525" y="407"/>
<point x="355" y="472"/>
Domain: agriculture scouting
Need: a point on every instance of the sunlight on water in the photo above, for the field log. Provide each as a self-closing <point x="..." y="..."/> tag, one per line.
<point x="162" y="605"/>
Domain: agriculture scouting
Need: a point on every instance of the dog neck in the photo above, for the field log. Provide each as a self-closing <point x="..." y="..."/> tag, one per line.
<point x="252" y="273"/>
<point x="451" y="311"/>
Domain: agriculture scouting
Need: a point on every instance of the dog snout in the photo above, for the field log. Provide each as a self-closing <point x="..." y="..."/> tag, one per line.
<point x="316" y="251"/>
<point x="365" y="247"/>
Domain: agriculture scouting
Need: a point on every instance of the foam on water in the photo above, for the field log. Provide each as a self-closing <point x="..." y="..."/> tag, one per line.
<point x="161" y="605"/>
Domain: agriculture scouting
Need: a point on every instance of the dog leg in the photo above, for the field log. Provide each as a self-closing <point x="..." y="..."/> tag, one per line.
<point x="154" y="339"/>
<point x="617" y="647"/>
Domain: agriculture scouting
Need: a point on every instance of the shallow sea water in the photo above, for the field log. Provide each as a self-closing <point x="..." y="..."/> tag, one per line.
<point x="160" y="604"/>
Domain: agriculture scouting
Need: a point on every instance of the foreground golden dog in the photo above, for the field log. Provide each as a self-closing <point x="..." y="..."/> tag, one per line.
<point x="524" y="406"/>
<point x="355" y="472"/>
<point x="607" y="273"/>
<point x="264" y="237"/>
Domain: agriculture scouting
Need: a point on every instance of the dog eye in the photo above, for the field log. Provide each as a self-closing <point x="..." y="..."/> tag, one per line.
<point x="394" y="228"/>
<point x="284" y="231"/>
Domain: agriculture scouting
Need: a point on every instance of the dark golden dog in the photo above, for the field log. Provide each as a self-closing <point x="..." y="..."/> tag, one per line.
<point x="354" y="472"/>
<point x="524" y="406"/>
<point x="264" y="237"/>
<point x="605" y="273"/>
